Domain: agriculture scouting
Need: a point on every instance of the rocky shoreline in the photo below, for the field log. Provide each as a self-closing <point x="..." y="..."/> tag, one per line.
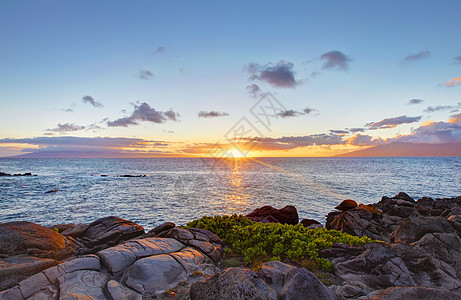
<point x="112" y="258"/>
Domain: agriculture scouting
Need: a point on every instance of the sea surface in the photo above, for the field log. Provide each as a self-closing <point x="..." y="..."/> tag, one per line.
<point x="183" y="189"/>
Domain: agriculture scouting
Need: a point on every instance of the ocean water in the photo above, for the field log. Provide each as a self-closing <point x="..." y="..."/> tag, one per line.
<point x="182" y="189"/>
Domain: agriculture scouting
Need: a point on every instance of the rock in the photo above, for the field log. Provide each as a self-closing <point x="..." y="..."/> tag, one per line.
<point x="161" y="228"/>
<point x="118" y="258"/>
<point x="52" y="191"/>
<point x="83" y="284"/>
<point x="405" y="197"/>
<point x="346" y="205"/>
<point x="117" y="291"/>
<point x="310" y="223"/>
<point x="108" y="232"/>
<point x="414" y="228"/>
<point x="154" y="274"/>
<point x="12" y="294"/>
<point x="420" y="293"/>
<point x="33" y="284"/>
<point x="27" y="238"/>
<point x="302" y="284"/>
<point x="15" y="269"/>
<point x="75" y="231"/>
<point x="276" y="272"/>
<point x="233" y="283"/>
<point x="286" y="215"/>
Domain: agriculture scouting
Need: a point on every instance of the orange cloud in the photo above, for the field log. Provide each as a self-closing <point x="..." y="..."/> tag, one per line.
<point x="453" y="82"/>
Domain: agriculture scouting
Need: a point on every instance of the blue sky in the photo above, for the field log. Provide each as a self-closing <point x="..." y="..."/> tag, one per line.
<point x="351" y="63"/>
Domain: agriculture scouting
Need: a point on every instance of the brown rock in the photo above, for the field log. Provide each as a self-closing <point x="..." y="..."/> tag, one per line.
<point x="346" y="205"/>
<point x="286" y="215"/>
<point x="22" y="237"/>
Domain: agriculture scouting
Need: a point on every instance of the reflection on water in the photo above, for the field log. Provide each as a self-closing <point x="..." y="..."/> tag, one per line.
<point x="237" y="194"/>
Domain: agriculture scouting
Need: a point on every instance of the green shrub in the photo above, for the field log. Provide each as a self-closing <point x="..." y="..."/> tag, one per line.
<point x="275" y="241"/>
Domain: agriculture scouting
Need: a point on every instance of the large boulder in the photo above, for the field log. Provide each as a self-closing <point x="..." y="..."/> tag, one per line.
<point x="26" y="238"/>
<point x="286" y="215"/>
<point x="301" y="284"/>
<point x="420" y="293"/>
<point x="107" y="232"/>
<point x="415" y="227"/>
<point x="234" y="283"/>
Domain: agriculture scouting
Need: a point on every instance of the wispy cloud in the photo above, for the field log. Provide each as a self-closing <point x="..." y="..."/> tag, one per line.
<point x="431" y="109"/>
<point x="415" y="101"/>
<point x="279" y="75"/>
<point x="66" y="127"/>
<point x="67" y="110"/>
<point x="143" y="112"/>
<point x="254" y="90"/>
<point x="145" y="74"/>
<point x="413" y="57"/>
<point x="457" y="60"/>
<point x="354" y="130"/>
<point x="159" y="50"/>
<point x="90" y="100"/>
<point x="335" y="60"/>
<point x="392" y="122"/>
<point x="212" y="114"/>
<point x="453" y="82"/>
<point x="339" y="131"/>
<point x="364" y="140"/>
<point x="295" y="113"/>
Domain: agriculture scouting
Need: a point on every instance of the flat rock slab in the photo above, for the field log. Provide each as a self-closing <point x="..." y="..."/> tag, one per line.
<point x="83" y="284"/>
<point x="118" y="258"/>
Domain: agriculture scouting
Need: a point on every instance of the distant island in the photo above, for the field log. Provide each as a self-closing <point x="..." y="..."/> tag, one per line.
<point x="407" y="150"/>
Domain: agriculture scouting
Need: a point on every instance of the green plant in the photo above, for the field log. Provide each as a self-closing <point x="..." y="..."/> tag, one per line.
<point x="55" y="229"/>
<point x="274" y="241"/>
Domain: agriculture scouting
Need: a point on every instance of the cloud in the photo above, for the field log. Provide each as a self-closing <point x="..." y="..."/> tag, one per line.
<point x="413" y="57"/>
<point x="292" y="142"/>
<point x="455" y="118"/>
<point x="143" y="112"/>
<point x="364" y="140"/>
<point x="339" y="131"/>
<point x="145" y="74"/>
<point x="67" y="110"/>
<point x="434" y="132"/>
<point x="254" y="90"/>
<point x="354" y="130"/>
<point x="457" y="60"/>
<point x="279" y="75"/>
<point x="431" y="109"/>
<point x="335" y="60"/>
<point x="392" y="122"/>
<point x="66" y="127"/>
<point x="89" y="99"/>
<point x="453" y="82"/>
<point x="294" y="113"/>
<point x="212" y="114"/>
<point x="415" y="101"/>
<point x="159" y="50"/>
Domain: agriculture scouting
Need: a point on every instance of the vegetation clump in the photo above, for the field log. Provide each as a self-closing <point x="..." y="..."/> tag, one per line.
<point x="275" y="241"/>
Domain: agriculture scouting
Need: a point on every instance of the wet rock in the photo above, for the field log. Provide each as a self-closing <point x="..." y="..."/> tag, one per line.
<point x="346" y="205"/>
<point x="15" y="269"/>
<point x="233" y="283"/>
<point x="107" y="232"/>
<point x="286" y="215"/>
<point x="21" y="237"/>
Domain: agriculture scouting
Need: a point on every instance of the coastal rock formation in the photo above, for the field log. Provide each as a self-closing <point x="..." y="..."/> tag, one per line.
<point x="276" y="280"/>
<point x="267" y="214"/>
<point x="26" y="238"/>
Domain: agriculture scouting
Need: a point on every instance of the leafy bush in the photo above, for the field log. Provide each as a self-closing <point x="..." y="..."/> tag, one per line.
<point x="275" y="241"/>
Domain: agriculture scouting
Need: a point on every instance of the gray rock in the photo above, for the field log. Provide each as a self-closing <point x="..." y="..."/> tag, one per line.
<point x="302" y="284"/>
<point x="420" y="293"/>
<point x="161" y="228"/>
<point x="108" y="232"/>
<point x="17" y="268"/>
<point x="33" y="284"/>
<point x="75" y="231"/>
<point x="49" y="292"/>
<point x="83" y="284"/>
<point x="11" y="294"/>
<point x="117" y="291"/>
<point x="276" y="271"/>
<point x="233" y="283"/>
<point x="415" y="227"/>
<point x="154" y="274"/>
<point x="194" y="261"/>
<point x="118" y="258"/>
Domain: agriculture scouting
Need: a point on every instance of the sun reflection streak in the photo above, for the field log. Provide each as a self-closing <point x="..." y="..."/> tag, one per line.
<point x="237" y="194"/>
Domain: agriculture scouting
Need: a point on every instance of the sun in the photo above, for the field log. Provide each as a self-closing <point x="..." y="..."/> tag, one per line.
<point x="235" y="153"/>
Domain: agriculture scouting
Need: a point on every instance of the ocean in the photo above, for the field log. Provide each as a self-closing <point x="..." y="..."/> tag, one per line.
<point x="180" y="190"/>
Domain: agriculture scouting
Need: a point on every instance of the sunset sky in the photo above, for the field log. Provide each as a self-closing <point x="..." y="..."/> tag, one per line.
<point x="182" y="78"/>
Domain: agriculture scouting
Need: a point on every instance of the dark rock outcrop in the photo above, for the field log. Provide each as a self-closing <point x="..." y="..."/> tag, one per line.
<point x="286" y="215"/>
<point x="346" y="205"/>
<point x="107" y="232"/>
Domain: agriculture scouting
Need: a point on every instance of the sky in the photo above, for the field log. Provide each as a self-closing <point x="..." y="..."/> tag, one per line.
<point x="213" y="78"/>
